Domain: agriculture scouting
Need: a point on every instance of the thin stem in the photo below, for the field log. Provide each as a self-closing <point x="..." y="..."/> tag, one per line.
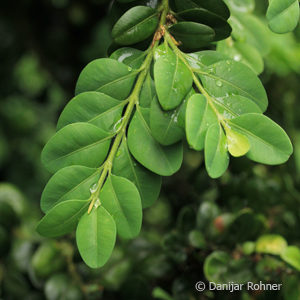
<point x="132" y="102"/>
<point x="197" y="82"/>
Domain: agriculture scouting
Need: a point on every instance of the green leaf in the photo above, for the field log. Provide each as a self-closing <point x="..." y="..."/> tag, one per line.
<point x="283" y="15"/>
<point x="232" y="106"/>
<point x="199" y="15"/>
<point x="244" y="53"/>
<point x="192" y="35"/>
<point x="68" y="183"/>
<point x="173" y="79"/>
<point x="216" y="6"/>
<point x="199" y="117"/>
<point x="237" y="143"/>
<point x="107" y="76"/>
<point x="291" y="255"/>
<point x="96" y="237"/>
<point x="121" y="199"/>
<point x="162" y="160"/>
<point x="230" y="77"/>
<point x="250" y="29"/>
<point x="219" y="267"/>
<point x="216" y="155"/>
<point x="202" y="59"/>
<point x="131" y="57"/>
<point x="76" y="144"/>
<point x="244" y="6"/>
<point x="164" y="125"/>
<point x="62" y="218"/>
<point x="137" y="24"/>
<point x="269" y="144"/>
<point x="148" y="183"/>
<point x="271" y="243"/>
<point x="147" y="92"/>
<point x="92" y="107"/>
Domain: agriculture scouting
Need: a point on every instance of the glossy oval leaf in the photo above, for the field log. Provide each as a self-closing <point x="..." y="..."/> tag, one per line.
<point x="283" y="15"/>
<point x="192" y="35"/>
<point x="230" y="77"/>
<point x="215" y="151"/>
<point x="199" y="117"/>
<point x="164" y="124"/>
<point x="137" y="24"/>
<point x="202" y="59"/>
<point x="76" y="144"/>
<point x="69" y="183"/>
<point x="148" y="183"/>
<point x="269" y="144"/>
<point x="107" y="76"/>
<point x="121" y="199"/>
<point x="232" y="106"/>
<point x="173" y="79"/>
<point x="162" y="160"/>
<point x="200" y="15"/>
<point x="96" y="237"/>
<point x="62" y="218"/>
<point x="147" y="93"/>
<point x="216" y="6"/>
<point x="131" y="57"/>
<point x="92" y="107"/>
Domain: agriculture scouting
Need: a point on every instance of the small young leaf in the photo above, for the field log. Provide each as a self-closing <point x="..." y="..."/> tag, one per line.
<point x="199" y="117"/>
<point x="148" y="183"/>
<point x="164" y="125"/>
<point x="162" y="160"/>
<point x="107" y="76"/>
<point x="76" y="144"/>
<point x="121" y="199"/>
<point x="62" y="218"/>
<point x="216" y="155"/>
<point x="269" y="143"/>
<point x="135" y="25"/>
<point x="232" y="106"/>
<point x="230" y="77"/>
<point x="237" y="143"/>
<point x="173" y="79"/>
<point x="283" y="15"/>
<point x="192" y="35"/>
<point x="92" y="107"/>
<point x="68" y="183"/>
<point x="96" y="237"/>
<point x="131" y="57"/>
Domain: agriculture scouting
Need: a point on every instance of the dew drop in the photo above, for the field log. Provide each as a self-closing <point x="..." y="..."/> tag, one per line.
<point x="117" y="125"/>
<point x="129" y="69"/>
<point x="93" y="188"/>
<point x="219" y="83"/>
<point x="97" y="203"/>
<point x="237" y="57"/>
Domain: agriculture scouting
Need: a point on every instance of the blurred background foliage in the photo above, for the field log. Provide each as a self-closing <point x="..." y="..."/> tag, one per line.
<point x="231" y="229"/>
